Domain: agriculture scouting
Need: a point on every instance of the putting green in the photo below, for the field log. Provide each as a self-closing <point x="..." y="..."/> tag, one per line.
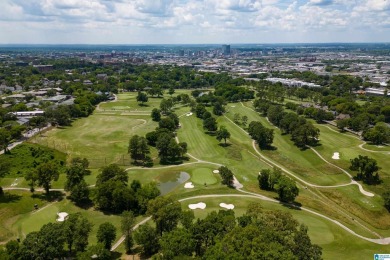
<point x="202" y="176"/>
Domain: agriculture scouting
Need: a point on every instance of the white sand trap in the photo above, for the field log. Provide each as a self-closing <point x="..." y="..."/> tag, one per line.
<point x="233" y="106"/>
<point x="189" y="185"/>
<point x="216" y="171"/>
<point x="199" y="205"/>
<point x="189" y="114"/>
<point x="226" y="206"/>
<point x="62" y="216"/>
<point x="336" y="156"/>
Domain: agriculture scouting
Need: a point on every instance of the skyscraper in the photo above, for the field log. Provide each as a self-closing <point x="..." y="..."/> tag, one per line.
<point x="226" y="49"/>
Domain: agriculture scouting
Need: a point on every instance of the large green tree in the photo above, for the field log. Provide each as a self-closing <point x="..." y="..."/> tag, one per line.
<point x="147" y="237"/>
<point x="139" y="149"/>
<point x="222" y="133"/>
<point x="76" y="231"/>
<point x="367" y="169"/>
<point x="106" y="234"/>
<point x="226" y="175"/>
<point x="165" y="213"/>
<point x="44" y="175"/>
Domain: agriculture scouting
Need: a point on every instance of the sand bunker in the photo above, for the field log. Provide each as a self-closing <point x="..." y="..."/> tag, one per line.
<point x="226" y="206"/>
<point x="336" y="156"/>
<point x="62" y="216"/>
<point x="189" y="185"/>
<point x="215" y="171"/>
<point x="189" y="114"/>
<point x="199" y="205"/>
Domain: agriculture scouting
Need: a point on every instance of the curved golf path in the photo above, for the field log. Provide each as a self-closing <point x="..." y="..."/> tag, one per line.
<point x="360" y="145"/>
<point x="353" y="182"/>
<point x="380" y="241"/>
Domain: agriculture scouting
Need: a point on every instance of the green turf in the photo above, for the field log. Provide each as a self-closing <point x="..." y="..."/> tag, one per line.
<point x="203" y="176"/>
<point x="14" y="205"/>
<point x="335" y="241"/>
<point x="102" y="139"/>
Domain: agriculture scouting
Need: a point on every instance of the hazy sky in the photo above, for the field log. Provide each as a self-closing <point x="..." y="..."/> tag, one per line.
<point x="193" y="21"/>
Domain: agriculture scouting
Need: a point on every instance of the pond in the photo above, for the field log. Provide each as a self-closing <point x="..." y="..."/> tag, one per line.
<point x="168" y="184"/>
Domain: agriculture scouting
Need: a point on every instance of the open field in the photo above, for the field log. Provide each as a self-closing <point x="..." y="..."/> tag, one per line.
<point x="102" y="139"/>
<point x="336" y="242"/>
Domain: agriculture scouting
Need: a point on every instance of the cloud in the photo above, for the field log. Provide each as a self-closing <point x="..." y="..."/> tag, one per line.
<point x="194" y="20"/>
<point x="321" y="2"/>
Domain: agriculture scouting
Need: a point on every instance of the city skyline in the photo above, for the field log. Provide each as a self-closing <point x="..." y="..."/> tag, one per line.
<point x="193" y="21"/>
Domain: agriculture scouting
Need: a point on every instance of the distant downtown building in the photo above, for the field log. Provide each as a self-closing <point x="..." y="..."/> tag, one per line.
<point x="226" y="49"/>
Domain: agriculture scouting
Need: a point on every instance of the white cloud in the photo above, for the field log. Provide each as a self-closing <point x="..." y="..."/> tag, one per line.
<point x="128" y="21"/>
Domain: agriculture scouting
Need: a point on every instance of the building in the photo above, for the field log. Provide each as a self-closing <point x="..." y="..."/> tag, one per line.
<point x="44" y="68"/>
<point x="226" y="49"/>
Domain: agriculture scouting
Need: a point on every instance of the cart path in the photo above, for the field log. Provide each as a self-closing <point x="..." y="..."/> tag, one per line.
<point x="353" y="182"/>
<point x="380" y="241"/>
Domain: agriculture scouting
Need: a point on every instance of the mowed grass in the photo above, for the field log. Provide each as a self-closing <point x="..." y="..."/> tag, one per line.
<point x="35" y="220"/>
<point x="348" y="147"/>
<point x="102" y="139"/>
<point x="203" y="176"/>
<point x="304" y="163"/>
<point x="335" y="241"/>
<point x="13" y="205"/>
<point x="237" y="155"/>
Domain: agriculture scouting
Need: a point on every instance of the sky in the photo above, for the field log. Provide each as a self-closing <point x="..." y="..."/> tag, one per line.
<point x="193" y="21"/>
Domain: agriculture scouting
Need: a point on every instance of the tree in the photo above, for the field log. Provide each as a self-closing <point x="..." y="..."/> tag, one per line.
<point x="97" y="251"/>
<point x="76" y="230"/>
<point x="127" y="223"/>
<point x="268" y="179"/>
<point x="156" y="114"/>
<point x="106" y="234"/>
<point x="226" y="175"/>
<point x="379" y="134"/>
<point x="165" y="213"/>
<point x="342" y="124"/>
<point x="263" y="179"/>
<point x="138" y="148"/>
<point x="145" y="193"/>
<point x="244" y="120"/>
<point x="38" y="122"/>
<point x="80" y="192"/>
<point x="167" y="123"/>
<point x="386" y="198"/>
<point x="263" y="136"/>
<point x="142" y="97"/>
<point x="43" y="175"/>
<point x="171" y="91"/>
<point x="305" y="134"/>
<point x="236" y="118"/>
<point x="47" y="243"/>
<point x="147" y="237"/>
<point x="210" y="124"/>
<point x="287" y="189"/>
<point x="166" y="106"/>
<point x="367" y="169"/>
<point x="222" y="133"/>
<point x="218" y="108"/>
<point x="179" y="242"/>
<point x="5" y="138"/>
<point x="5" y="166"/>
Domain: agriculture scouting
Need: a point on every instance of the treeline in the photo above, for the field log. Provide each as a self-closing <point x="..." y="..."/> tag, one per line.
<point x="302" y="131"/>
<point x="220" y="235"/>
